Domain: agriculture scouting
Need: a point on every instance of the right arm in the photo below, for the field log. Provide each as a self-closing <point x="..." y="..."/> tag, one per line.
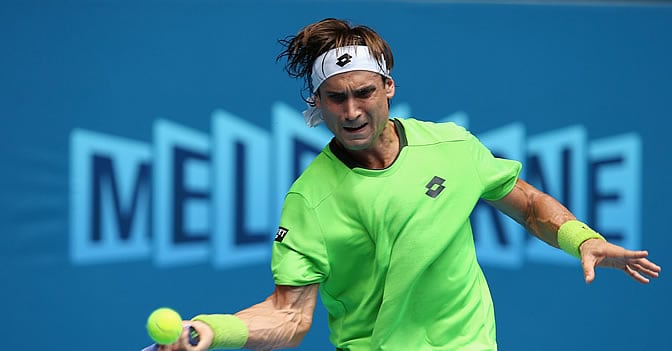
<point x="280" y="321"/>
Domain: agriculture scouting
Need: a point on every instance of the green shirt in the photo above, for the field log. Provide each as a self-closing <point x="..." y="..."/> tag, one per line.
<point x="393" y="249"/>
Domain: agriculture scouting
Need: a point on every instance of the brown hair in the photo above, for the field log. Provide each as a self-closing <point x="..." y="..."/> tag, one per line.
<point x="302" y="49"/>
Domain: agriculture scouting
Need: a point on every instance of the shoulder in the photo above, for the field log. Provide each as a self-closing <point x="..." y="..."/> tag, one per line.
<point x="425" y="132"/>
<point x="319" y="179"/>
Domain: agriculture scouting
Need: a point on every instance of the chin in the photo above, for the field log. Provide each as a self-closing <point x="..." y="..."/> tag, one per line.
<point x="356" y="146"/>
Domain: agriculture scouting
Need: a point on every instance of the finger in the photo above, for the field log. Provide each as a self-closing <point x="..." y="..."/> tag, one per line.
<point x="651" y="272"/>
<point x="649" y="265"/>
<point x="635" y="275"/>
<point x="629" y="254"/>
<point x="616" y="251"/>
<point x="184" y="338"/>
<point x="588" y="265"/>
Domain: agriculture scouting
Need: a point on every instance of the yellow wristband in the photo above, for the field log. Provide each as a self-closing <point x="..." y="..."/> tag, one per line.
<point x="230" y="331"/>
<point x="572" y="234"/>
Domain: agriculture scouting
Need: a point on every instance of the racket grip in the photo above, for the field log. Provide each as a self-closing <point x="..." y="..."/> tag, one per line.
<point x="194" y="338"/>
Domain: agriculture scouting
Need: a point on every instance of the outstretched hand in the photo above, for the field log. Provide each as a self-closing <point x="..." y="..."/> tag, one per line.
<point x="597" y="252"/>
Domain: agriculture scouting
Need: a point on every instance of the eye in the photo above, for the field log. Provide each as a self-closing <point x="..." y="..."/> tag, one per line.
<point x="365" y="92"/>
<point x="337" y="97"/>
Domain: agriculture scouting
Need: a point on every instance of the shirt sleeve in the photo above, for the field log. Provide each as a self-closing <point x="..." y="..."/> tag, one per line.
<point x="498" y="176"/>
<point x="299" y="254"/>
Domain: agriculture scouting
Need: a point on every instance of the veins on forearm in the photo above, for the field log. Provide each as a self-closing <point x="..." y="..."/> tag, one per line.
<point x="281" y="321"/>
<point x="545" y="215"/>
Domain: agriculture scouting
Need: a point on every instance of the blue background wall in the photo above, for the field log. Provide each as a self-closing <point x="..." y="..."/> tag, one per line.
<point x="116" y="67"/>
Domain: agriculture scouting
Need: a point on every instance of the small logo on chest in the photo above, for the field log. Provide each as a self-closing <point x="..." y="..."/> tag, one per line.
<point x="435" y="187"/>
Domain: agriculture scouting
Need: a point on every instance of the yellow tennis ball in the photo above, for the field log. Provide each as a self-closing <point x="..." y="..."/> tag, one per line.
<point x="164" y="326"/>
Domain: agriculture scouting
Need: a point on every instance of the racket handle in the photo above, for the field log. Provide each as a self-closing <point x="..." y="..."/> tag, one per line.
<point x="194" y="338"/>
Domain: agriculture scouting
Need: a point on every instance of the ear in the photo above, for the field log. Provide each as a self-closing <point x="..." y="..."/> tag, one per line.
<point x="317" y="101"/>
<point x="389" y="88"/>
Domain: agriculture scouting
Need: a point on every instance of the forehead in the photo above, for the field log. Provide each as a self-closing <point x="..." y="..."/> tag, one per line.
<point x="351" y="80"/>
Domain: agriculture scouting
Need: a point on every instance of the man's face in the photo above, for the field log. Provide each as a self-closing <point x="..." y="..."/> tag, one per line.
<point x="355" y="108"/>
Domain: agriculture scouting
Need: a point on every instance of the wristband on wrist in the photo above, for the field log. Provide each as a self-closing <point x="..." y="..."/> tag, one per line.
<point x="572" y="234"/>
<point x="230" y="332"/>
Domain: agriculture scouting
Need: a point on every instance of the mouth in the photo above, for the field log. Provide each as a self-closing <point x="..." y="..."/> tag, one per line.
<point x="354" y="129"/>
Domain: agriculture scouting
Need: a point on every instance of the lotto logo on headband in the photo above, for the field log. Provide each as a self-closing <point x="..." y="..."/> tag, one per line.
<point x="344" y="59"/>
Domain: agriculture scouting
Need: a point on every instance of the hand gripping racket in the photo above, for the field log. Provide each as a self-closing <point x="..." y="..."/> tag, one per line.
<point x="194" y="338"/>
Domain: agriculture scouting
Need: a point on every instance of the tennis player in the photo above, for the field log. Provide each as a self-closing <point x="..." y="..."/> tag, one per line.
<point x="378" y="224"/>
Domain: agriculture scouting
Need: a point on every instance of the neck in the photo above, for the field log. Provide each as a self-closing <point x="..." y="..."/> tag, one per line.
<point x="383" y="153"/>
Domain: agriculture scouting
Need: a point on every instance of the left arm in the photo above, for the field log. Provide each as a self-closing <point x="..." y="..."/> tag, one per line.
<point x="542" y="216"/>
<point x="538" y="212"/>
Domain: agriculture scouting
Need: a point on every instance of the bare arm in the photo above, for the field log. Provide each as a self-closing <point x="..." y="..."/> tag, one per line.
<point x="542" y="216"/>
<point x="538" y="212"/>
<point x="281" y="321"/>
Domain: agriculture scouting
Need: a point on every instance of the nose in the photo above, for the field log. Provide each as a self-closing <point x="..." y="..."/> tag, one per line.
<point x="352" y="109"/>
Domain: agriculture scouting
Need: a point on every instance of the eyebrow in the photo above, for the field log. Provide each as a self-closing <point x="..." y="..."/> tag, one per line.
<point x="364" y="89"/>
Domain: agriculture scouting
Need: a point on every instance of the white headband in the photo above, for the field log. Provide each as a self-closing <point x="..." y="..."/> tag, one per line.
<point x="346" y="59"/>
<point x="341" y="60"/>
